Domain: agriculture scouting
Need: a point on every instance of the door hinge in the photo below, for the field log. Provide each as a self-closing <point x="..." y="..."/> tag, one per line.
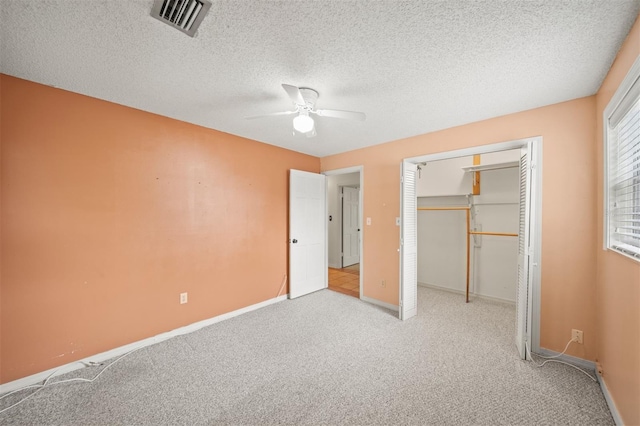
<point x="401" y="241"/>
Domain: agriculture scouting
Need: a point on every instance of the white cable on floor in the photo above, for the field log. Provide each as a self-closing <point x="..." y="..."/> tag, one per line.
<point x="46" y="382"/>
<point x="550" y="359"/>
<point x="556" y="356"/>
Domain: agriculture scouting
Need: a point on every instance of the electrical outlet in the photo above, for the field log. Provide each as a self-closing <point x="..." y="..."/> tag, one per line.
<point x="576" y="336"/>
<point x="383" y="283"/>
<point x="183" y="298"/>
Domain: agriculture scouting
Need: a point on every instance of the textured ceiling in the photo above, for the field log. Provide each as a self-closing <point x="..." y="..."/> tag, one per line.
<point x="412" y="66"/>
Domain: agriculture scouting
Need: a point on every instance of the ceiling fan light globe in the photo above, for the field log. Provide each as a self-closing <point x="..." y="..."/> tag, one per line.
<point x="303" y="123"/>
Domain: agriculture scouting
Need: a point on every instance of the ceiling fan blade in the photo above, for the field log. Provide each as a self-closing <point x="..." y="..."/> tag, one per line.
<point x="348" y="115"/>
<point x="294" y="94"/>
<point x="273" y="114"/>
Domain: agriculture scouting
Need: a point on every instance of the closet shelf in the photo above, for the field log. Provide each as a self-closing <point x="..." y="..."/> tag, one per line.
<point x="496" y="166"/>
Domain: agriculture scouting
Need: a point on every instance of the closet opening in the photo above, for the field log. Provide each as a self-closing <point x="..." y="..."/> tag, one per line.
<point x="471" y="227"/>
<point x="467" y="224"/>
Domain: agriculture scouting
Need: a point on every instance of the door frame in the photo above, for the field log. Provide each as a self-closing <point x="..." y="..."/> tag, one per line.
<point x="536" y="223"/>
<point x="343" y="171"/>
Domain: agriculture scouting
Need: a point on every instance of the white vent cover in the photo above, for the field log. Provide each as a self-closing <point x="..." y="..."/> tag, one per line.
<point x="184" y="15"/>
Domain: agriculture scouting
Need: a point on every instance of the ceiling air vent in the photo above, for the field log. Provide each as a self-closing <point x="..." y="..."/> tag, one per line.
<point x="184" y="15"/>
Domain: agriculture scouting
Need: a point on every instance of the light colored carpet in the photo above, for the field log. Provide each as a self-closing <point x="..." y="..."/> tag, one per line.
<point x="329" y="359"/>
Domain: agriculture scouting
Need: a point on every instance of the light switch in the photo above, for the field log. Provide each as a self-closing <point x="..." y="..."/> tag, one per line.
<point x="368" y="221"/>
<point x="397" y="221"/>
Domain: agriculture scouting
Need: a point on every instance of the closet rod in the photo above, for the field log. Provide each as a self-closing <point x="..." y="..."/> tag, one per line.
<point x="497" y="234"/>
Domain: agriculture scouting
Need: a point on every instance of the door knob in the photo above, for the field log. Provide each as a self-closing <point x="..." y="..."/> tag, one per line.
<point x="294" y="241"/>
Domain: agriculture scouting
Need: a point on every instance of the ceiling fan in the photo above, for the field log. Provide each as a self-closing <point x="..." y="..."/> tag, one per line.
<point x="304" y="100"/>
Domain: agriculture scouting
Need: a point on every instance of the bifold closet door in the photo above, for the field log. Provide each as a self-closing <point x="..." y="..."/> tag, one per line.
<point x="524" y="285"/>
<point x="408" y="243"/>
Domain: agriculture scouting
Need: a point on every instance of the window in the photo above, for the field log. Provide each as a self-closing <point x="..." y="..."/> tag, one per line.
<point x="622" y="167"/>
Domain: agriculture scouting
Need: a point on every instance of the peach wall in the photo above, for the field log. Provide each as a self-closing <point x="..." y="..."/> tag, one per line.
<point x="568" y="209"/>
<point x="618" y="278"/>
<point x="108" y="213"/>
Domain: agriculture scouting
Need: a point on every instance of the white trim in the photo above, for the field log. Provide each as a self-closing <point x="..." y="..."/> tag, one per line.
<point x="98" y="358"/>
<point x="343" y="171"/>
<point x="621" y="92"/>
<point x="360" y="170"/>
<point x="607" y="396"/>
<point x="379" y="303"/>
<point x="578" y="362"/>
<point x="536" y="232"/>
<point x="467" y="152"/>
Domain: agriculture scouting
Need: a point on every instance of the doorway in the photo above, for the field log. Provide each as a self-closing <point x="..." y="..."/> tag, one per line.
<point x="529" y="266"/>
<point x="344" y="224"/>
<point x="350" y="229"/>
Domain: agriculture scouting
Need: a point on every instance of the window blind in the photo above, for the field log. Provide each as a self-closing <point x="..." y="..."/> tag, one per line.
<point x="624" y="174"/>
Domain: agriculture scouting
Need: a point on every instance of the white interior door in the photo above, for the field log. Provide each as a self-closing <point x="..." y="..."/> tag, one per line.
<point x="307" y="233"/>
<point x="350" y="230"/>
<point x="525" y="254"/>
<point x="408" y="242"/>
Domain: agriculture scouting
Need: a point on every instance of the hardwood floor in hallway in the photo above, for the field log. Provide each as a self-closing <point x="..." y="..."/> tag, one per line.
<point x="345" y="280"/>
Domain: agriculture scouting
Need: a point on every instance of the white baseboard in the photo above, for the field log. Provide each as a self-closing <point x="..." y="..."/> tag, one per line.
<point x="379" y="303"/>
<point x="437" y="287"/>
<point x="477" y="295"/>
<point x="578" y="362"/>
<point x="607" y="396"/>
<point x="98" y="358"/>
